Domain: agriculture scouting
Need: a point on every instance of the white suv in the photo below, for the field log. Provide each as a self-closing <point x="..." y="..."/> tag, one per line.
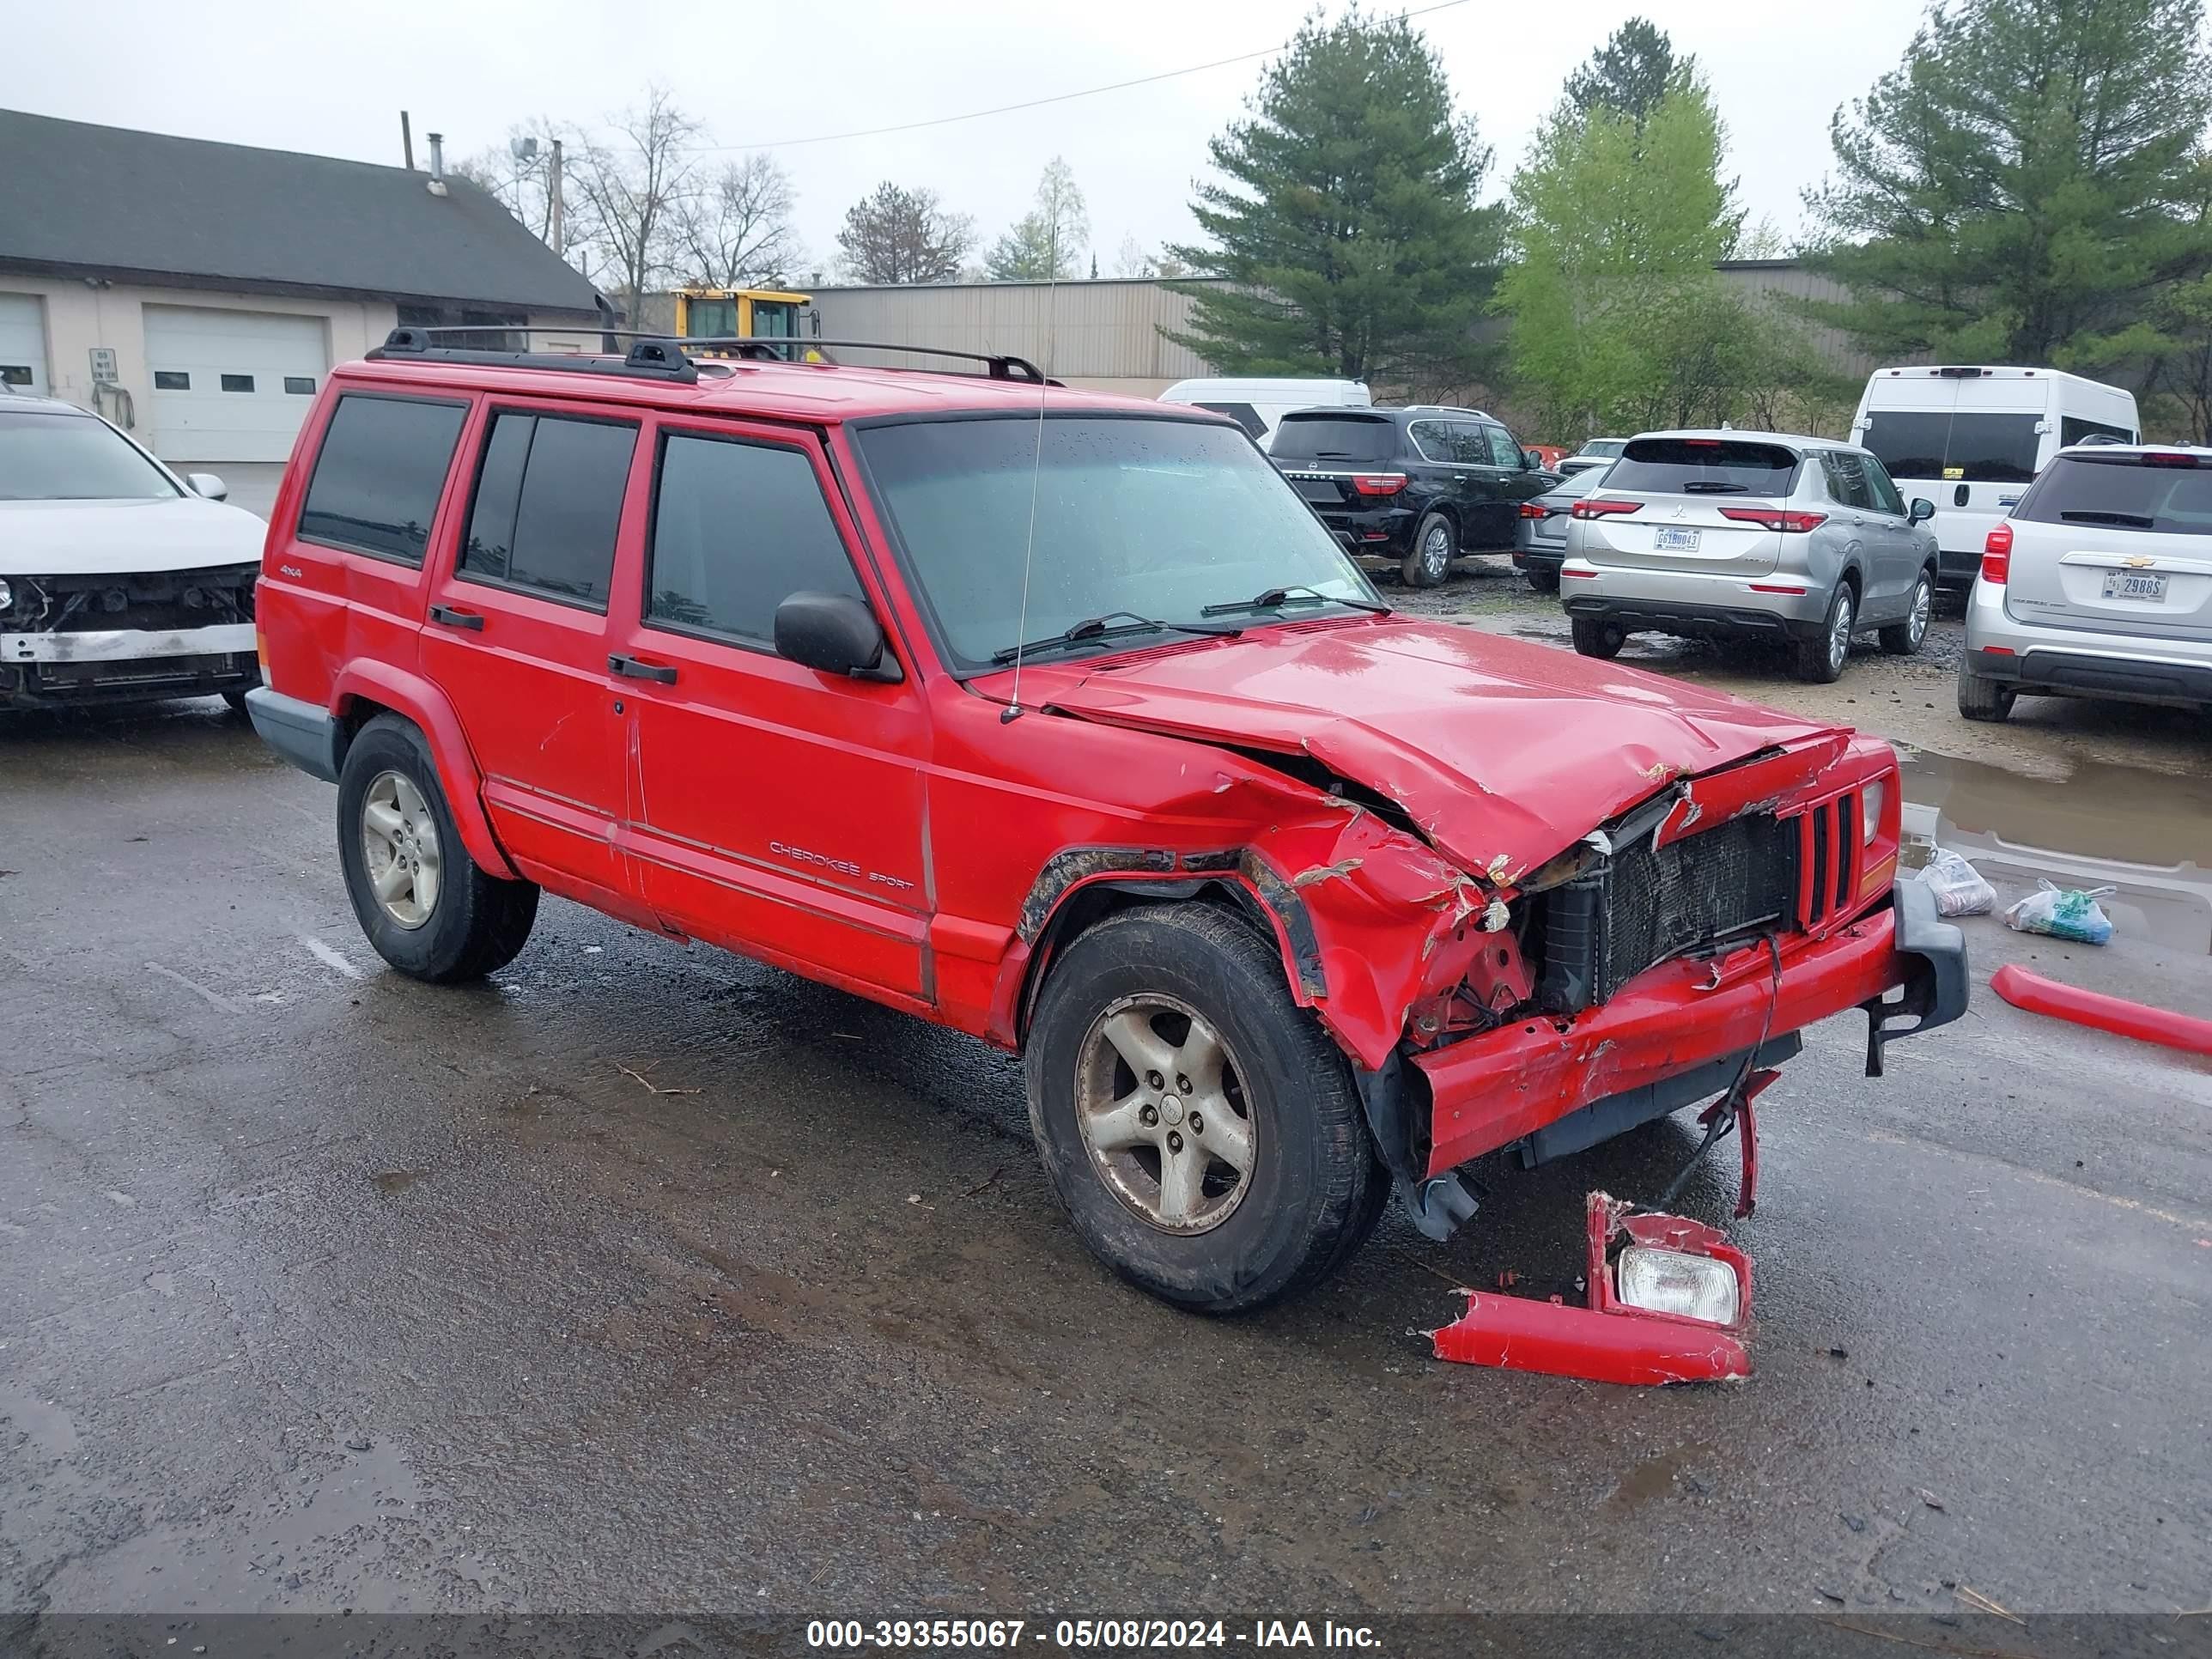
<point x="2099" y="584"/>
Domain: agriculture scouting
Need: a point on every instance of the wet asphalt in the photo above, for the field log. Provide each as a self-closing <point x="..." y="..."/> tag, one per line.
<point x="647" y="1279"/>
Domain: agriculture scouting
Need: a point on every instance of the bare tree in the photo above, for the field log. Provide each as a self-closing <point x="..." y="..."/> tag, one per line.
<point x="519" y="173"/>
<point x="1134" y="260"/>
<point x="894" y="235"/>
<point x="736" y="228"/>
<point x="634" y="187"/>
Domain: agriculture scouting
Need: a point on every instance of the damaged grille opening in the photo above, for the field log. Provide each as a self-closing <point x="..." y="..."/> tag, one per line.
<point x="152" y="600"/>
<point x="1644" y="905"/>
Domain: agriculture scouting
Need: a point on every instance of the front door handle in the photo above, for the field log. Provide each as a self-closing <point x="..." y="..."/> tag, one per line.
<point x="630" y="668"/>
<point x="452" y="618"/>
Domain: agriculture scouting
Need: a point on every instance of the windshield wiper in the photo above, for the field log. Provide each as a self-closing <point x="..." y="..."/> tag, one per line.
<point x="1713" y="487"/>
<point x="1279" y="598"/>
<point x="2098" y="515"/>
<point x="1106" y="628"/>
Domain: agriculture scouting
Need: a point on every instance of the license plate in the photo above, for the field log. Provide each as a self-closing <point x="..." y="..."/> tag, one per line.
<point x="2134" y="585"/>
<point x="1667" y="539"/>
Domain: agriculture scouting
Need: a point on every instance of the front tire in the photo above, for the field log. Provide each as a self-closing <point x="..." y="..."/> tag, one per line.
<point x="1596" y="637"/>
<point x="1903" y="638"/>
<point x="1204" y="1133"/>
<point x="1820" y="660"/>
<point x="426" y="906"/>
<point x="1429" y="562"/>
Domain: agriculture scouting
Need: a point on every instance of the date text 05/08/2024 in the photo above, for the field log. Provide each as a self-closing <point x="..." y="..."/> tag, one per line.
<point x="1085" y="1633"/>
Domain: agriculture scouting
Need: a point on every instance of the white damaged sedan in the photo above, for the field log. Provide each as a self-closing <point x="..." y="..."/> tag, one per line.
<point x="119" y="579"/>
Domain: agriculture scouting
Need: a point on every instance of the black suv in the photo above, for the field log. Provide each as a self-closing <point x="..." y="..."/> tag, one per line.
<point x="1417" y="485"/>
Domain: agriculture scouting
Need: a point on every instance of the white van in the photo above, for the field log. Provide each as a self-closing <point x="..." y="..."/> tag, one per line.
<point x="1971" y="440"/>
<point x="1259" y="405"/>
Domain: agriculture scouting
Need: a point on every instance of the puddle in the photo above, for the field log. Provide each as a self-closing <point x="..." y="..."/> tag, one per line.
<point x="2147" y="833"/>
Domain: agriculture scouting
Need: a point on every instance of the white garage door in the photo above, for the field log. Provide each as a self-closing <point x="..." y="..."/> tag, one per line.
<point x="231" y="386"/>
<point x="23" y="342"/>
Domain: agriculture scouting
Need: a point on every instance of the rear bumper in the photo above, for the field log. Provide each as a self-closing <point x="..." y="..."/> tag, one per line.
<point x="1491" y="1091"/>
<point x="1378" y="531"/>
<point x="304" y="733"/>
<point x="2081" y="662"/>
<point x="1695" y="620"/>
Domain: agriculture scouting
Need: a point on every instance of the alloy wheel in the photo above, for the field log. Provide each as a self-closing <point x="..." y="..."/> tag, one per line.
<point x="1839" y="632"/>
<point x="1436" y="551"/>
<point x="1160" y="1100"/>
<point x="400" y="850"/>
<point x="1924" y="605"/>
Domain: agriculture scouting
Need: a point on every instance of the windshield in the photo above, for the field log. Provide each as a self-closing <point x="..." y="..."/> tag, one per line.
<point x="1699" y="466"/>
<point x="2124" y="492"/>
<point x="1965" y="447"/>
<point x="1335" y="438"/>
<point x="72" y="458"/>
<point x="1157" y="517"/>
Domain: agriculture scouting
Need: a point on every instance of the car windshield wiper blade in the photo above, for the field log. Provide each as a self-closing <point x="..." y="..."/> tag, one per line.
<point x="1278" y="599"/>
<point x="1112" y="625"/>
<point x="2098" y="515"/>
<point x="1713" y="487"/>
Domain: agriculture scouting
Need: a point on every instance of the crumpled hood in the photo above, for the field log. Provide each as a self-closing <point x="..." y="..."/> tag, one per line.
<point x="114" y="537"/>
<point x="1504" y="751"/>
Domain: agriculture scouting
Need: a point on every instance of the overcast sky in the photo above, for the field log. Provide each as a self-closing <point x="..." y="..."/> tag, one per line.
<point x="310" y="75"/>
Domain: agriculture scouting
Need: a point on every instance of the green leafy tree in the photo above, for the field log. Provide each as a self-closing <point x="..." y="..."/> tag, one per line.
<point x="1044" y="243"/>
<point x="2025" y="186"/>
<point x="1346" y="220"/>
<point x="1618" y="319"/>
<point x="1628" y="75"/>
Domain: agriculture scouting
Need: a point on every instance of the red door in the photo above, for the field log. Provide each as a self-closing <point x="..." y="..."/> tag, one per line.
<point x="517" y="634"/>
<point x="775" y="809"/>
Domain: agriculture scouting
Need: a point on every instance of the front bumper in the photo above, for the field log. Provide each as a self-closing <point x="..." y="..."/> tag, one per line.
<point x="304" y="733"/>
<point x="2081" y="662"/>
<point x="1489" y="1091"/>
<point x="126" y="644"/>
<point x="95" y="665"/>
<point x="1696" y="604"/>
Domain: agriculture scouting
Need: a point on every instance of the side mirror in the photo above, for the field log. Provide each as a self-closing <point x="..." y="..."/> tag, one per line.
<point x="1532" y="460"/>
<point x="208" y="485"/>
<point x="1922" y="510"/>
<point x="834" y="634"/>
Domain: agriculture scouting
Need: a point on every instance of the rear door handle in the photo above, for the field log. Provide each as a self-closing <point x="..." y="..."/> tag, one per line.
<point x="452" y="618"/>
<point x="630" y="668"/>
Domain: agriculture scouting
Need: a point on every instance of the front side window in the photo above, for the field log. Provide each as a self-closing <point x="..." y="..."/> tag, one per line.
<point x="737" y="528"/>
<point x="1886" y="496"/>
<point x="1159" y="517"/>
<point x="549" y="502"/>
<point x="1503" y="452"/>
<point x="72" y="458"/>
<point x="379" y="474"/>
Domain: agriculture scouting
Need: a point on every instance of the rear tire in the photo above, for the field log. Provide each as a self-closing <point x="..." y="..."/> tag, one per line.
<point x="1596" y="637"/>
<point x="1820" y="660"/>
<point x="1198" y="981"/>
<point x="461" y="923"/>
<point x="1981" y="699"/>
<point x="1903" y="638"/>
<point x="1428" y="561"/>
<point x="1545" y="578"/>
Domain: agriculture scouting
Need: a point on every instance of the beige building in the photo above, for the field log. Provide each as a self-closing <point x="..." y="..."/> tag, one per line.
<point x="196" y="294"/>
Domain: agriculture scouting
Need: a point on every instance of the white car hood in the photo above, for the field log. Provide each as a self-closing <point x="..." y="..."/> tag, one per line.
<point x="116" y="538"/>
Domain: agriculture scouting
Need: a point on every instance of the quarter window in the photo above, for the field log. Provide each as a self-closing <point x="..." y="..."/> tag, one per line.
<point x="1434" y="439"/>
<point x="737" y="528"/>
<point x="549" y="502"/>
<point x="1847" y="480"/>
<point x="379" y="474"/>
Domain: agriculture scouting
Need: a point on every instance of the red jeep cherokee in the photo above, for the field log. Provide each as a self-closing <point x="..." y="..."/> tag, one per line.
<point x="1289" y="902"/>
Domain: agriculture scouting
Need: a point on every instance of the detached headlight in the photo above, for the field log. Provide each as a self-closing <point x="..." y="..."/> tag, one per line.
<point x="1871" y="801"/>
<point x="1671" y="1282"/>
<point x="7" y="595"/>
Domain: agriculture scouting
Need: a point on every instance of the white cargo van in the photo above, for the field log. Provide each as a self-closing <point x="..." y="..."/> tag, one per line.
<point x="1971" y="440"/>
<point x="1259" y="405"/>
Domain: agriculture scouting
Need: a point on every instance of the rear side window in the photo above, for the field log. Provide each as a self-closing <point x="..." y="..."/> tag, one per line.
<point x="379" y="474"/>
<point x="1967" y="448"/>
<point x="2073" y="429"/>
<point x="2121" y="493"/>
<point x="1433" y="439"/>
<point x="1847" y="479"/>
<point x="1335" y="438"/>
<point x="737" y="528"/>
<point x="1703" y="467"/>
<point x="1244" y="413"/>
<point x="549" y="502"/>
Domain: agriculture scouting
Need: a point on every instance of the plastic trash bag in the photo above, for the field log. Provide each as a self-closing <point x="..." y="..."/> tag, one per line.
<point x="1959" y="889"/>
<point x="2069" y="913"/>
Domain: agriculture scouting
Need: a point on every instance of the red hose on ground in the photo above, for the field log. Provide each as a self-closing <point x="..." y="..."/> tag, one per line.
<point x="2038" y="995"/>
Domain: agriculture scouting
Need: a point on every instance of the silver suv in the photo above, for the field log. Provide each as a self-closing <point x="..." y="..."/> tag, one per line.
<point x="1755" y="534"/>
<point x="2099" y="584"/>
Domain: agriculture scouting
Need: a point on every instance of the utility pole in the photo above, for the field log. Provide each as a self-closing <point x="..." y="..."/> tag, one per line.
<point x="553" y="187"/>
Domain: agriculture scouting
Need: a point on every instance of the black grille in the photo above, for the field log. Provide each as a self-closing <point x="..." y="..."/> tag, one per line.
<point x="1647" y="904"/>
<point x="150" y="599"/>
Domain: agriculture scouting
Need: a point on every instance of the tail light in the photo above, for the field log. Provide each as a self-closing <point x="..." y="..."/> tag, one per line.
<point x="2168" y="458"/>
<point x="1997" y="554"/>
<point x="1378" y="484"/>
<point x="1591" y="507"/>
<point x="1784" y="518"/>
<point x="1530" y="510"/>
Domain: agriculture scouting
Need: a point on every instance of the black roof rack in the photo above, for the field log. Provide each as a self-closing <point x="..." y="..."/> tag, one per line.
<point x="662" y="356"/>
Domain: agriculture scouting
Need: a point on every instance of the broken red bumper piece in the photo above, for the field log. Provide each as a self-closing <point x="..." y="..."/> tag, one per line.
<point x="1669" y="1302"/>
